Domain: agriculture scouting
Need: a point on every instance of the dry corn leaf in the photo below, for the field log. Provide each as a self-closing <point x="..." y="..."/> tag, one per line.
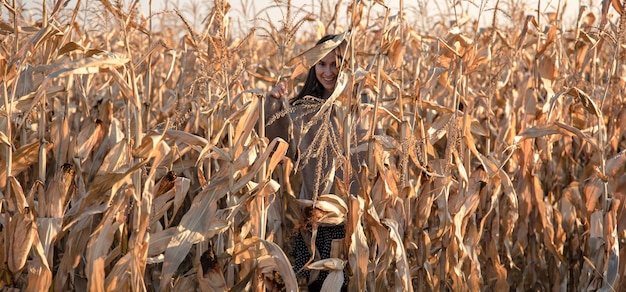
<point x="6" y="28"/>
<point x="333" y="208"/>
<point x="606" y="5"/>
<point x="192" y="225"/>
<point x="100" y="242"/>
<point x="549" y="71"/>
<point x="125" y="88"/>
<point x="160" y="207"/>
<point x="23" y="103"/>
<point x="612" y="242"/>
<point x="4" y="139"/>
<point x="330" y="264"/>
<point x="190" y="231"/>
<point x="571" y="202"/>
<point x="212" y="280"/>
<point x="547" y="229"/>
<point x="358" y="249"/>
<point x="88" y="138"/>
<point x="245" y="250"/>
<point x="187" y="138"/>
<point x="128" y="272"/>
<point x="550" y="39"/>
<point x="76" y="241"/>
<point x="39" y="274"/>
<point x="89" y="65"/>
<point x="61" y="188"/>
<point x="41" y="35"/>
<point x="17" y="202"/>
<point x="48" y="229"/>
<point x="282" y="265"/>
<point x="396" y="52"/>
<point x="586" y="101"/>
<point x="246" y="123"/>
<point x="39" y="278"/>
<point x="21" y="234"/>
<point x="149" y="143"/>
<point x="334" y="280"/>
<point x="403" y="273"/>
<point x="425" y="202"/>
<point x="522" y="36"/>
<point x="448" y="51"/>
<point x="615" y="165"/>
<point x="70" y="47"/>
<point x="619" y="6"/>
<point x="115" y="159"/>
<point x="23" y="158"/>
<point x="159" y="241"/>
<point x="181" y="186"/>
<point x="439" y="128"/>
<point x="104" y="188"/>
<point x="552" y="129"/>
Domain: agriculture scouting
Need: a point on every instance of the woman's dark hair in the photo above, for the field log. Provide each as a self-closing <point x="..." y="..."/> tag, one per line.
<point x="312" y="86"/>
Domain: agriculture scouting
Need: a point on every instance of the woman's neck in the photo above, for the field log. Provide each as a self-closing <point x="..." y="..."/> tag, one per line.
<point x="326" y="94"/>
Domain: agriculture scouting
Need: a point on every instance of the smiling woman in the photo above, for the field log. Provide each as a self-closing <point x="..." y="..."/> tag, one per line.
<point x="320" y="84"/>
<point x="315" y="155"/>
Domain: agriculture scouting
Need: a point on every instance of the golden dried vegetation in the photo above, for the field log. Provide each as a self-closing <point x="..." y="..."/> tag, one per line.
<point x="132" y="159"/>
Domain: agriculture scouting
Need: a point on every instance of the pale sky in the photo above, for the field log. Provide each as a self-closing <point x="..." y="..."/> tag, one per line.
<point x="244" y="11"/>
<point x="434" y="7"/>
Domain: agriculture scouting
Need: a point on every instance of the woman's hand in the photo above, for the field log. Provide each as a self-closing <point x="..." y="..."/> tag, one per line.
<point x="279" y="91"/>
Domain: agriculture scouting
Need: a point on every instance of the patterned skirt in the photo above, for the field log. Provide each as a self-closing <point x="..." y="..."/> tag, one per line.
<point x="323" y="243"/>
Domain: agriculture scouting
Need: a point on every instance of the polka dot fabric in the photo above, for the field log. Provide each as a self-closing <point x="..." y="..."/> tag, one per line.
<point x="323" y="244"/>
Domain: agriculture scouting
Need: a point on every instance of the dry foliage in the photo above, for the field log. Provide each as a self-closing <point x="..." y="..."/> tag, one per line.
<point x="133" y="160"/>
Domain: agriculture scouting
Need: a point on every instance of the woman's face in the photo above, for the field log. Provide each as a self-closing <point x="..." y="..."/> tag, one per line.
<point x="326" y="72"/>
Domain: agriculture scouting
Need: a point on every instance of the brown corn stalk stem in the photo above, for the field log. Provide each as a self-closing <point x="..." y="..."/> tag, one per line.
<point x="370" y="146"/>
<point x="536" y="61"/>
<point x="148" y="78"/>
<point x="404" y="123"/>
<point x="404" y="127"/>
<point x="230" y="138"/>
<point x="493" y="41"/>
<point x="463" y="150"/>
<point x="41" y="164"/>
<point x="351" y="94"/>
<point x="207" y="171"/>
<point x="8" y="129"/>
<point x="602" y="130"/>
<point x="134" y="112"/>
<point x="442" y="265"/>
<point x="44" y="10"/>
<point x="263" y="171"/>
<point x="416" y="119"/>
<point x="260" y="197"/>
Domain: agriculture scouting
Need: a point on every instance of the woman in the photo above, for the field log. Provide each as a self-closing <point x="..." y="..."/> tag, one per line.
<point x="316" y="156"/>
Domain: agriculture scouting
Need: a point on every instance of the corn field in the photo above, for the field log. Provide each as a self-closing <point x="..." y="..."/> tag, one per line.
<point x="134" y="157"/>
